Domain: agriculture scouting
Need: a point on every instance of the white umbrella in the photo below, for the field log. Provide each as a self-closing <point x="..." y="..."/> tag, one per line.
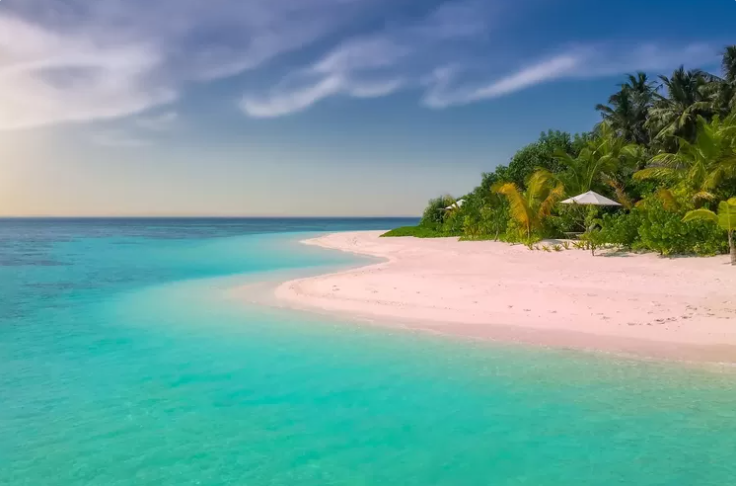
<point x="456" y="205"/>
<point x="591" y="198"/>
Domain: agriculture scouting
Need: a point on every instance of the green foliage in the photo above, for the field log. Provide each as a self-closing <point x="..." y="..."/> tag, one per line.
<point x="541" y="154"/>
<point x="593" y="240"/>
<point x="674" y="115"/>
<point x="436" y="212"/>
<point x="661" y="150"/>
<point x="621" y="228"/>
<point x="530" y="208"/>
<point x="415" y="231"/>
<point x="666" y="233"/>
<point x="604" y="158"/>
<point x="453" y="223"/>
<point x="628" y="109"/>
<point x="699" y="168"/>
<point x="725" y="219"/>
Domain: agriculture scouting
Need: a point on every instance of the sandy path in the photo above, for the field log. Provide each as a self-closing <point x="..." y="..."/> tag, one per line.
<point x="644" y="304"/>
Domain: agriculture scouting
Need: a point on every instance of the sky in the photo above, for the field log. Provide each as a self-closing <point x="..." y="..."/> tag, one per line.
<point x="308" y="107"/>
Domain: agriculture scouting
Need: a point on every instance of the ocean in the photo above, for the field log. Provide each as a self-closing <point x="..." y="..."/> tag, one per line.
<point x="126" y="360"/>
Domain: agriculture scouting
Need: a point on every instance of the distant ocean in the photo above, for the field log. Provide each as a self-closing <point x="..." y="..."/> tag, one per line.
<point x="124" y="361"/>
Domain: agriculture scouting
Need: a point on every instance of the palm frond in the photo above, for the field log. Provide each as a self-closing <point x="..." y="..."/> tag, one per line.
<point x="519" y="209"/>
<point x="700" y="215"/>
<point x="654" y="173"/>
<point x="703" y="196"/>
<point x="668" y="200"/>
<point x="727" y="215"/>
<point x="621" y="195"/>
<point x="554" y="196"/>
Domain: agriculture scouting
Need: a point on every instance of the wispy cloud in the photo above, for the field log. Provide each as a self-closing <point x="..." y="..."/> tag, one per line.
<point x="446" y="87"/>
<point x="442" y="94"/>
<point x="374" y="65"/>
<point x="82" y="61"/>
<point x="48" y="78"/>
<point x="294" y="97"/>
<point x="447" y="56"/>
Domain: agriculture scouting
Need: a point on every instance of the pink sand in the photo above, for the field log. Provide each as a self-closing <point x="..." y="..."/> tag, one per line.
<point x="642" y="304"/>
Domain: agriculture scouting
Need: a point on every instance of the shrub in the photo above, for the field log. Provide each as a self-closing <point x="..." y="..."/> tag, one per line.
<point x="415" y="231"/>
<point x="435" y="213"/>
<point x="664" y="232"/>
<point x="453" y="223"/>
<point x="621" y="228"/>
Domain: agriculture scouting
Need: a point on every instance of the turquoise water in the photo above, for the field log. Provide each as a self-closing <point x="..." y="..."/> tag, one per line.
<point x="125" y="361"/>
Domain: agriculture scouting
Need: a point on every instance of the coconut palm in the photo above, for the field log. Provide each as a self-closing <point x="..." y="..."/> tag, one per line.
<point x="435" y="213"/>
<point x="724" y="91"/>
<point x="698" y="168"/>
<point x="530" y="208"/>
<point x="725" y="218"/>
<point x="728" y="64"/>
<point x="676" y="114"/>
<point x="628" y="109"/>
<point x="603" y="158"/>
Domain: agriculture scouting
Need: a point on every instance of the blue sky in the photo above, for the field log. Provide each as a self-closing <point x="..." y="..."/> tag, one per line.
<point x="308" y="107"/>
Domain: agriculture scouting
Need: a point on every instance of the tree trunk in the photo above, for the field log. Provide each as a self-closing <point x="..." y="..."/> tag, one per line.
<point x="732" y="247"/>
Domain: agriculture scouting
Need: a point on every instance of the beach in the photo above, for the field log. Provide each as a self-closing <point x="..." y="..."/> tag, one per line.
<point x="640" y="304"/>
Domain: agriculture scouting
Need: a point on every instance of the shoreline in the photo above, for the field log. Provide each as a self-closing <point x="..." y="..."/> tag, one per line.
<point x="638" y="305"/>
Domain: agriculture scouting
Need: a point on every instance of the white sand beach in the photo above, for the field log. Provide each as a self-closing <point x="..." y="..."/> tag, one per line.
<point x="682" y="308"/>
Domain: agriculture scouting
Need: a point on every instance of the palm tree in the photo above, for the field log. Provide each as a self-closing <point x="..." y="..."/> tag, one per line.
<point x="435" y="212"/>
<point x="728" y="64"/>
<point x="602" y="159"/>
<point x="725" y="218"/>
<point x="676" y="114"/>
<point x="698" y="168"/>
<point x="724" y="92"/>
<point x="628" y="109"/>
<point x="530" y="208"/>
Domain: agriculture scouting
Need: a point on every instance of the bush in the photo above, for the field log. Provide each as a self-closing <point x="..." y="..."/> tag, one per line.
<point x="516" y="234"/>
<point x="621" y="229"/>
<point x="416" y="232"/>
<point x="664" y="232"/>
<point x="434" y="214"/>
<point x="453" y="223"/>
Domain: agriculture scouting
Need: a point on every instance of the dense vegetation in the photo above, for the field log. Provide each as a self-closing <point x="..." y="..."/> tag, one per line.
<point x="665" y="149"/>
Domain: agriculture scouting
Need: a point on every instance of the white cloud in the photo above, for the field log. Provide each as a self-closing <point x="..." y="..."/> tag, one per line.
<point x="372" y="65"/>
<point x="447" y="54"/>
<point x="48" y="78"/>
<point x="82" y="61"/>
<point x="440" y="95"/>
<point x="445" y="90"/>
<point x="292" y="101"/>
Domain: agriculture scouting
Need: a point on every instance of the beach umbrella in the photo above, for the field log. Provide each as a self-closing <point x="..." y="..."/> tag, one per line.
<point x="591" y="198"/>
<point x="456" y="205"/>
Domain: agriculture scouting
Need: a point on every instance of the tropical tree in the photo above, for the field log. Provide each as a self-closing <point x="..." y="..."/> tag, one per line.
<point x="628" y="109"/>
<point x="530" y="208"/>
<point x="675" y="113"/>
<point x="435" y="213"/>
<point x="724" y="91"/>
<point x="540" y="155"/>
<point x="698" y="169"/>
<point x="725" y="218"/>
<point x="603" y="159"/>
